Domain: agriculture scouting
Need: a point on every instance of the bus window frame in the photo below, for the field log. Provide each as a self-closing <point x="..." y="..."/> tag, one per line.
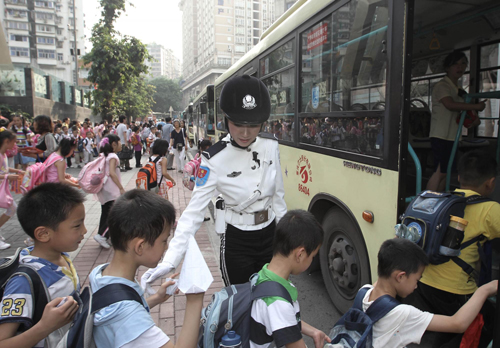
<point x="480" y="70"/>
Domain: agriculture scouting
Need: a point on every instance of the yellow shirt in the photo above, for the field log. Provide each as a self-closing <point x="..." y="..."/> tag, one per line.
<point x="443" y="121"/>
<point x="483" y="218"/>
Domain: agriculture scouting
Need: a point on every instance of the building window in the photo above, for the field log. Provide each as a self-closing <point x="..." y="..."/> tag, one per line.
<point x="17" y="13"/>
<point x="59" y="32"/>
<point x="19" y="52"/>
<point x="18" y="25"/>
<point x="45" y="40"/>
<point x="43" y="15"/>
<point x="45" y="28"/>
<point x="60" y="57"/>
<point x="46" y="54"/>
<point x="48" y="4"/>
<point x="18" y="38"/>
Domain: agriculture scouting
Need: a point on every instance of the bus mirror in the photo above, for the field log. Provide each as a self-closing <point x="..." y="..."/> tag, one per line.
<point x="210" y="93"/>
<point x="190" y="109"/>
<point x="203" y="108"/>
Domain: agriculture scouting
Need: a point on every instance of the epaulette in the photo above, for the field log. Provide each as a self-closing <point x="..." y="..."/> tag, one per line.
<point x="266" y="135"/>
<point x="215" y="149"/>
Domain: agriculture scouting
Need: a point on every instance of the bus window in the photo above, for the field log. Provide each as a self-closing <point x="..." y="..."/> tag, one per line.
<point x="490" y="68"/>
<point x="344" y="61"/>
<point x="278" y="59"/>
<point x="221" y="125"/>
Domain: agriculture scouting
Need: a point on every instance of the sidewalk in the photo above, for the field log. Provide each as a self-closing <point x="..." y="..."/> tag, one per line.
<point x="169" y="316"/>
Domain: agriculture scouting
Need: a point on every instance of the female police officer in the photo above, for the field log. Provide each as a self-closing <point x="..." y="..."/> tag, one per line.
<point x="244" y="167"/>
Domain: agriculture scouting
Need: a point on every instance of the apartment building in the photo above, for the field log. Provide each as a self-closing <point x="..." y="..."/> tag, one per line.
<point x="281" y="6"/>
<point x="165" y="63"/>
<point x="44" y="34"/>
<point x="216" y="33"/>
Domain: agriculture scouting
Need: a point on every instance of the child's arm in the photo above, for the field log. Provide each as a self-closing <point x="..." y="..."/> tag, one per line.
<point x="52" y="319"/>
<point x="113" y="176"/>
<point x="61" y="174"/>
<point x="318" y="336"/>
<point x="164" y="170"/>
<point x="461" y="320"/>
<point x="161" y="296"/>
<point x="189" y="333"/>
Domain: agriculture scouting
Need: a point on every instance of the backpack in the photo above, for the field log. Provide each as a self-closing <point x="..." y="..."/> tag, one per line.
<point x="93" y="175"/>
<point x="80" y="144"/>
<point x="147" y="175"/>
<point x="230" y="309"/>
<point x="36" y="173"/>
<point x="9" y="267"/>
<point x="429" y="213"/>
<point x="355" y="327"/>
<point x="133" y="140"/>
<point x="80" y="333"/>
<point x="190" y="172"/>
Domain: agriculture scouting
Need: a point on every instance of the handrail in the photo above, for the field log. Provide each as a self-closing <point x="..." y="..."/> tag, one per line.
<point x="468" y="99"/>
<point x="418" y="168"/>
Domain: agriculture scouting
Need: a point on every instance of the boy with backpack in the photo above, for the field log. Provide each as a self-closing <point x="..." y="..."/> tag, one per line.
<point x="53" y="216"/>
<point x="139" y="227"/>
<point x="78" y="153"/>
<point x="293" y="252"/>
<point x="400" y="266"/>
<point x="446" y="287"/>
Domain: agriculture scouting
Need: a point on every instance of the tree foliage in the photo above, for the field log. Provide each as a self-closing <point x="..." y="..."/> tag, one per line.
<point x="117" y="67"/>
<point x="168" y="94"/>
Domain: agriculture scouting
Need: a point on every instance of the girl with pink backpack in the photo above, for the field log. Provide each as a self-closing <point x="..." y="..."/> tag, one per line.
<point x="7" y="142"/>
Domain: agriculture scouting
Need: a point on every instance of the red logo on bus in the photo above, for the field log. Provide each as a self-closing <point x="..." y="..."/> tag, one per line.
<point x="304" y="172"/>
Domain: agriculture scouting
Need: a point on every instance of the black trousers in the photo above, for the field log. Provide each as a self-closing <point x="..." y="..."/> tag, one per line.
<point x="103" y="223"/>
<point x="430" y="299"/>
<point x="243" y="253"/>
<point x="68" y="161"/>
<point x="138" y="155"/>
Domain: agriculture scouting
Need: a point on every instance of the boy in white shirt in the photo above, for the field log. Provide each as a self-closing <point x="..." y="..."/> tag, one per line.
<point x="400" y="266"/>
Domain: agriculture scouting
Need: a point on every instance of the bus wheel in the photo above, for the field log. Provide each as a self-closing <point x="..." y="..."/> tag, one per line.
<point x="343" y="259"/>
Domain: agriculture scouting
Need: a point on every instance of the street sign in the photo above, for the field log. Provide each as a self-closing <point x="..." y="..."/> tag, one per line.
<point x="171" y="109"/>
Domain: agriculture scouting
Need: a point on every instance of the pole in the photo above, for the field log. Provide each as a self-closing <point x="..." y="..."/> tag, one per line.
<point x="76" y="44"/>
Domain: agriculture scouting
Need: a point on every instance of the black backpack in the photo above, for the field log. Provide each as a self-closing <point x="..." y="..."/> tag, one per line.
<point x="80" y="334"/>
<point x="9" y="267"/>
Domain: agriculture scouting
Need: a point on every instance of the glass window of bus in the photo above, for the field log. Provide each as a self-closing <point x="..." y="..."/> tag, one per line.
<point x="344" y="68"/>
<point x="211" y="121"/>
<point x="278" y="59"/>
<point x="221" y="125"/>
<point x="282" y="92"/>
<point x="490" y="68"/>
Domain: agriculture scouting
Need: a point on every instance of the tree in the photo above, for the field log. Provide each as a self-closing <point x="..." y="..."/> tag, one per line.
<point x="117" y="66"/>
<point x="168" y="94"/>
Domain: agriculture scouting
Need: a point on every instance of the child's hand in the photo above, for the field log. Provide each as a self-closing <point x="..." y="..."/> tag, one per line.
<point x="162" y="292"/>
<point x="12" y="177"/>
<point x="55" y="317"/>
<point x="490" y="288"/>
<point x="173" y="182"/>
<point x="319" y="338"/>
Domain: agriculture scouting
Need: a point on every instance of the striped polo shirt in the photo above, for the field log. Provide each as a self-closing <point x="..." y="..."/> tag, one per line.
<point x="274" y="319"/>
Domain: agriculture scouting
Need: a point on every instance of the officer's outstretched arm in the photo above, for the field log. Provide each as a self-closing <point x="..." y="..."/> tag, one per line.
<point x="279" y="205"/>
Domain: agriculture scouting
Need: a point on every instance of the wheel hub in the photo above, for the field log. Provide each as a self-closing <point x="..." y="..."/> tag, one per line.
<point x="343" y="263"/>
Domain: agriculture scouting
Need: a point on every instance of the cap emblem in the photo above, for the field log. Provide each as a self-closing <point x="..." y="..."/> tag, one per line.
<point x="249" y="102"/>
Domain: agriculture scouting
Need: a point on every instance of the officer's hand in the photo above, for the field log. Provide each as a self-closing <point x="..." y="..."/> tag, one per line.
<point x="154" y="273"/>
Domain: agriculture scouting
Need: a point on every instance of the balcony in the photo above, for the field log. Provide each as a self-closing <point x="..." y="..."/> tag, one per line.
<point x="15" y="2"/>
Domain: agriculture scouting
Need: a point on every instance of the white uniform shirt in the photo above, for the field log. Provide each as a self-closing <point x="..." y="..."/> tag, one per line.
<point x="233" y="172"/>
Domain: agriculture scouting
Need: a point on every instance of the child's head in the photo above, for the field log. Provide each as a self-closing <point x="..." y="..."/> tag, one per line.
<point x="65" y="129"/>
<point x="477" y="170"/>
<point x="204" y="145"/>
<point x="53" y="214"/>
<point x="7" y="139"/>
<point x="402" y="261"/>
<point x="110" y="143"/>
<point x="74" y="130"/>
<point x="58" y="129"/>
<point x="67" y="146"/>
<point x="135" y="130"/>
<point x="18" y="121"/>
<point x="298" y="237"/>
<point x="160" y="147"/>
<point x="90" y="135"/>
<point x="139" y="224"/>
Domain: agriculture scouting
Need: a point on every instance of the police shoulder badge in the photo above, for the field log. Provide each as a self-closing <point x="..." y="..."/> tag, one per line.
<point x="202" y="176"/>
<point x="249" y="102"/>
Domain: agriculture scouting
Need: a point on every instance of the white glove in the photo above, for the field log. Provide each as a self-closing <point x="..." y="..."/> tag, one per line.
<point x="152" y="274"/>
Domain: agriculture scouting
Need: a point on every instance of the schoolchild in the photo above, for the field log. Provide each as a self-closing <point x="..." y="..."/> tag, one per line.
<point x="150" y="140"/>
<point x="274" y="319"/>
<point x="7" y="142"/>
<point x="88" y="145"/>
<point x="23" y="135"/>
<point x="57" y="171"/>
<point x="77" y="154"/>
<point x="112" y="188"/>
<point x="141" y="243"/>
<point x="160" y="149"/>
<point x="400" y="266"/>
<point x="445" y="288"/>
<point x="137" y="146"/>
<point x="53" y="215"/>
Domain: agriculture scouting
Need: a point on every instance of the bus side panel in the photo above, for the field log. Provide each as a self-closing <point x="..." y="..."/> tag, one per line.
<point x="359" y="187"/>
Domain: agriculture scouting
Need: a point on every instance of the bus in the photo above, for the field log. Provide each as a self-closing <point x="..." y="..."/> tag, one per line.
<point x="350" y="84"/>
<point x="203" y="115"/>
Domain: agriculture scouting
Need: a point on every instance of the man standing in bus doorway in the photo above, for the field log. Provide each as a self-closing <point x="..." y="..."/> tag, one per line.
<point x="245" y="168"/>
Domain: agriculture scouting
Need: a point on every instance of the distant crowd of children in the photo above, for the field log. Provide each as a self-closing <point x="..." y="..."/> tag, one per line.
<point x="440" y="298"/>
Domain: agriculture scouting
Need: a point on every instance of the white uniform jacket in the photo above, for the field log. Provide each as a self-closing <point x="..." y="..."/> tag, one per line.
<point x="236" y="173"/>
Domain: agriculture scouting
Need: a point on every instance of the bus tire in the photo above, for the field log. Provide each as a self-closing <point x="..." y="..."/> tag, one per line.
<point x="343" y="258"/>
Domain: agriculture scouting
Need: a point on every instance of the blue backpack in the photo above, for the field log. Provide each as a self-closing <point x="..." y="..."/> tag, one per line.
<point x="355" y="328"/>
<point x="230" y="310"/>
<point x="430" y="212"/>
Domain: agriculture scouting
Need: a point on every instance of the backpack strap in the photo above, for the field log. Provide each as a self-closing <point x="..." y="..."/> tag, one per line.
<point x="270" y="289"/>
<point x="113" y="293"/>
<point x="379" y="308"/>
<point x="38" y="291"/>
